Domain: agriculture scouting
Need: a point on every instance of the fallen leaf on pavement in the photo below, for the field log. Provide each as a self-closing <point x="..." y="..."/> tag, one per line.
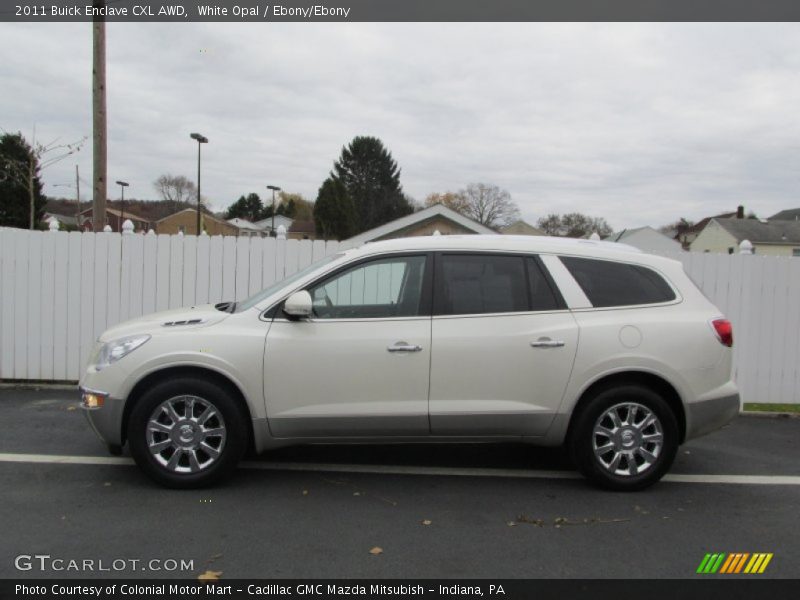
<point x="376" y="550"/>
<point x="427" y="522"/>
<point x="530" y="520"/>
<point x="209" y="576"/>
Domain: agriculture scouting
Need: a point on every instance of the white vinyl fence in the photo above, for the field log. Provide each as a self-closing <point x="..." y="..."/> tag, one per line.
<point x="59" y="291"/>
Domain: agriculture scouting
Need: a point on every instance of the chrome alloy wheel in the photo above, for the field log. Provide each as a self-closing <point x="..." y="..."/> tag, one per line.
<point x="627" y="439"/>
<point x="186" y="434"/>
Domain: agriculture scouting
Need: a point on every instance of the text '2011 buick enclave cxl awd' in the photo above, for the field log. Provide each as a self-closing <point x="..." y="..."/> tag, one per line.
<point x="595" y="345"/>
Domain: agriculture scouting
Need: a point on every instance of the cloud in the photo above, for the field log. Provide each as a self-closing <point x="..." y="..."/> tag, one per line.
<point x="639" y="123"/>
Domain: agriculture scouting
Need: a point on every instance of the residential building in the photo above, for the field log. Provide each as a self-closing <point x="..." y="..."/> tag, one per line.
<point x="185" y="221"/>
<point x="436" y="218"/>
<point x="791" y="214"/>
<point x="521" y="228"/>
<point x="266" y="224"/>
<point x="781" y="238"/>
<point x="647" y="239"/>
<point x="247" y="228"/>
<point x="114" y="218"/>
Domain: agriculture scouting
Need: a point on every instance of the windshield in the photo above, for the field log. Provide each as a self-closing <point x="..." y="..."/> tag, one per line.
<point x="278" y="285"/>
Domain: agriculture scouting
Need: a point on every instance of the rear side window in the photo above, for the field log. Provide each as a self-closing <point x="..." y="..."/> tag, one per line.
<point x="607" y="283"/>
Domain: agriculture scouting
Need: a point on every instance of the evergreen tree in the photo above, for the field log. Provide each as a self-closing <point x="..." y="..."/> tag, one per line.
<point x="334" y="213"/>
<point x="371" y="178"/>
<point x="19" y="179"/>
<point x="247" y="207"/>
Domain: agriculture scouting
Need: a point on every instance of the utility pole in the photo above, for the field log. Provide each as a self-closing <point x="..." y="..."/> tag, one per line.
<point x="77" y="198"/>
<point x="99" y="120"/>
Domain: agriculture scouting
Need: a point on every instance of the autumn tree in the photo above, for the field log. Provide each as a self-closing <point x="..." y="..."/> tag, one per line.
<point x="371" y="179"/>
<point x="574" y="225"/>
<point x="334" y="212"/>
<point x="452" y="200"/>
<point x="295" y="206"/>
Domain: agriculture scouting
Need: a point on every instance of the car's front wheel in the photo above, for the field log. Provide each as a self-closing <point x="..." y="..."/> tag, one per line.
<point x="625" y="438"/>
<point x="187" y="433"/>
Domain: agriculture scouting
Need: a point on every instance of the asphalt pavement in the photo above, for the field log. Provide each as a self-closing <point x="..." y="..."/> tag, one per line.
<point x="414" y="511"/>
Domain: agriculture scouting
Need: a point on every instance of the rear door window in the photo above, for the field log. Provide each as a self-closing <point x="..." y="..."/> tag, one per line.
<point x="469" y="284"/>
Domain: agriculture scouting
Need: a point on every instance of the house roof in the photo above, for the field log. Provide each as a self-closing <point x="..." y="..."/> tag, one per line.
<point x="791" y="214"/>
<point x="521" y="227"/>
<point x="115" y="212"/>
<point x="437" y="210"/>
<point x="244" y="224"/>
<point x="65" y="219"/>
<point x="759" y="232"/>
<point x="194" y="210"/>
<point x="279" y="220"/>
<point x="701" y="224"/>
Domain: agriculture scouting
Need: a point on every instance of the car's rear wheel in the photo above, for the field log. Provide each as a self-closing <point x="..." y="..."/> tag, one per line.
<point x="187" y="433"/>
<point x="625" y="438"/>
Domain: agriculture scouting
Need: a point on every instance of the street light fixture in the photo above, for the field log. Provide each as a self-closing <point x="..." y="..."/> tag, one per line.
<point x="122" y="185"/>
<point x="274" y="189"/>
<point x="201" y="139"/>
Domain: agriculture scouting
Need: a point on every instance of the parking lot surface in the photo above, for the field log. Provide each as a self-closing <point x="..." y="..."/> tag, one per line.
<point x="460" y="511"/>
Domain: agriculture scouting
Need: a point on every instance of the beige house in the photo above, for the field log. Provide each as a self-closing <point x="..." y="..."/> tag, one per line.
<point x="424" y="222"/>
<point x="777" y="238"/>
<point x="185" y="221"/>
<point x="521" y="228"/>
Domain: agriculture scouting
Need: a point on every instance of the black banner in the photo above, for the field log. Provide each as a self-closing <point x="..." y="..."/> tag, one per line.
<point x="733" y="588"/>
<point x="399" y="10"/>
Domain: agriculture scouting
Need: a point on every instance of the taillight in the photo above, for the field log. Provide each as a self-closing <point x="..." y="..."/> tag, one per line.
<point x="724" y="331"/>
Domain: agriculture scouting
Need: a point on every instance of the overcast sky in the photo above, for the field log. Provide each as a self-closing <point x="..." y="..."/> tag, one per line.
<point x="637" y="123"/>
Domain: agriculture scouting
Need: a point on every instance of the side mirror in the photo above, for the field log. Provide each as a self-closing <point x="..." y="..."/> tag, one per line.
<point x="298" y="304"/>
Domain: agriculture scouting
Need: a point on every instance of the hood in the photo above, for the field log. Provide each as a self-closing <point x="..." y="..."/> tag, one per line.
<point x="161" y="322"/>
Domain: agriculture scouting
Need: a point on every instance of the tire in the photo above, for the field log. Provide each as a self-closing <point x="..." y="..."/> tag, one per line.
<point x="187" y="433"/>
<point x="625" y="438"/>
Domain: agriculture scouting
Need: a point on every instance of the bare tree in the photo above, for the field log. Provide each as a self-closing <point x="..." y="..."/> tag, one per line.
<point x="175" y="188"/>
<point x="574" y="225"/>
<point x="489" y="205"/>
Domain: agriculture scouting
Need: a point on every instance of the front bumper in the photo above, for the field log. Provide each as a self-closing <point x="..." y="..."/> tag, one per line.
<point x="706" y="416"/>
<point x="106" y="420"/>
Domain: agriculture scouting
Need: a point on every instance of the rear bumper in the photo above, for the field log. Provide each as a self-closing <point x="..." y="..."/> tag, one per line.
<point x="706" y="416"/>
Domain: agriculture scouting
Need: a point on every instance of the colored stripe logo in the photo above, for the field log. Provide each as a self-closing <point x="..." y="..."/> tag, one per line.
<point x="734" y="563"/>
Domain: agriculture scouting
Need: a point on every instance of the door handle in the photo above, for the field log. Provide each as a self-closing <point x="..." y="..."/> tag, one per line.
<point x="403" y="347"/>
<point x="546" y="342"/>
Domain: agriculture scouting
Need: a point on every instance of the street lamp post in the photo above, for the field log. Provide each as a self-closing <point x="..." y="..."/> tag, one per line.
<point x="201" y="139"/>
<point x="122" y="185"/>
<point x="274" y="189"/>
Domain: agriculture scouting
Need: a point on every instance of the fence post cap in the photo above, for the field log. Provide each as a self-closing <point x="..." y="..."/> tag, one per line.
<point x="127" y="227"/>
<point x="281" y="232"/>
<point x="107" y="229"/>
<point x="594" y="236"/>
<point x="204" y="232"/>
<point x="53" y="224"/>
<point x="745" y="247"/>
<point x="151" y="232"/>
<point x="436" y="232"/>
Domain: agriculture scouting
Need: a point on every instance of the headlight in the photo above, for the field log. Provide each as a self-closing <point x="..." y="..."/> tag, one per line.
<point x="112" y="351"/>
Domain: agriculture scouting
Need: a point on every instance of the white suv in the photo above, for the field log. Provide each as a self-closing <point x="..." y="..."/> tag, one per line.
<point x="595" y="345"/>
